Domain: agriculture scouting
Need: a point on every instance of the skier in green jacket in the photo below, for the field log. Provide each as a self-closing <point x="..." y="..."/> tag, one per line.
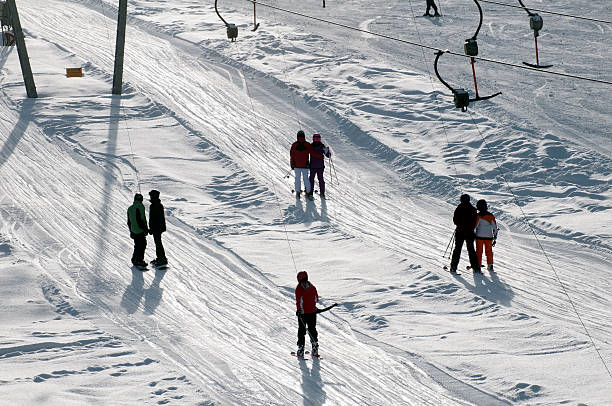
<point x="137" y="223"/>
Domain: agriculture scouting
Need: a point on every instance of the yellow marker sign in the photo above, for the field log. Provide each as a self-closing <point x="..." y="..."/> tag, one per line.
<point x="74" y="72"/>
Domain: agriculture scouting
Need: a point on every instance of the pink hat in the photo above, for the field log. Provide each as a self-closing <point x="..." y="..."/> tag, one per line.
<point x="316" y="137"/>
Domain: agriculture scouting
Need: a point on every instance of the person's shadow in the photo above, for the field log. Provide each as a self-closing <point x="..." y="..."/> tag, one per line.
<point x="312" y="384"/>
<point x="133" y="293"/>
<point x="494" y="290"/>
<point x="153" y="294"/>
<point x="311" y="213"/>
<point x="324" y="210"/>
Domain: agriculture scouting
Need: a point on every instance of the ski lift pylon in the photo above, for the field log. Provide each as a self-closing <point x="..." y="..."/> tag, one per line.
<point x="535" y="23"/>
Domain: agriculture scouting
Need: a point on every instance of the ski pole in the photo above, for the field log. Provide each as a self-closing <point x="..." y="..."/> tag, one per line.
<point x="318" y="311"/>
<point x="334" y="169"/>
<point x="449" y="244"/>
<point x="288" y="173"/>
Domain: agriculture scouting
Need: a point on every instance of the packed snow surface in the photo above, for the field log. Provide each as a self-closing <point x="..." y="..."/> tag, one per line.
<point x="209" y="123"/>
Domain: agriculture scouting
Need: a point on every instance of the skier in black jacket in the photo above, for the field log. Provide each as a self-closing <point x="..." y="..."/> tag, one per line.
<point x="465" y="220"/>
<point x="157" y="225"/>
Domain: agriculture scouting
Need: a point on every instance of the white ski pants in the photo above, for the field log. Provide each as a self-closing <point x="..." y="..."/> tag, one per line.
<point x="301" y="173"/>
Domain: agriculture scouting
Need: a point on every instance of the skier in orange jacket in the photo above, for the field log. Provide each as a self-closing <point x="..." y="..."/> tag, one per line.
<point x="486" y="233"/>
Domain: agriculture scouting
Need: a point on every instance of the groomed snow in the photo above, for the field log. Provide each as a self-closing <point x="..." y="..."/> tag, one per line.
<point x="209" y="124"/>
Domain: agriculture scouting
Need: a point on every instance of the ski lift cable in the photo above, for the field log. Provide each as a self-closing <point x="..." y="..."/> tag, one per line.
<point x="482" y="136"/>
<point x="261" y="131"/>
<point x="548" y="12"/>
<point x="433" y="88"/>
<point x="124" y="115"/>
<point x="297" y="114"/>
<point x="516" y="201"/>
<point x="495" y="61"/>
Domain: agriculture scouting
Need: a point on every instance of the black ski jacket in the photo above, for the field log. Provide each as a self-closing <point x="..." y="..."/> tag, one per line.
<point x="465" y="218"/>
<point x="157" y="221"/>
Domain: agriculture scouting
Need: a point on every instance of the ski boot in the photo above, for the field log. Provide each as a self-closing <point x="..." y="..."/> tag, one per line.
<point x="453" y="270"/>
<point x="157" y="262"/>
<point x="315" y="349"/>
<point x="490" y="268"/>
<point x="300" y="351"/>
<point x="322" y="195"/>
<point x="297" y="195"/>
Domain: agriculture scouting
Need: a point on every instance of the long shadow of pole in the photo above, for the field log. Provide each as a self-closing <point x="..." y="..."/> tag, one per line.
<point x="109" y="179"/>
<point x="25" y="116"/>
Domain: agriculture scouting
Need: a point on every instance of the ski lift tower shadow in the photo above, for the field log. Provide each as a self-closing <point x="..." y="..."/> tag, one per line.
<point x="11" y="142"/>
<point x="109" y="180"/>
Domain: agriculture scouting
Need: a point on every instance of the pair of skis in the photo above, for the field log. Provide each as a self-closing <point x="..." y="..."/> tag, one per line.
<point x="467" y="268"/>
<point x="145" y="268"/>
<point x="302" y="357"/>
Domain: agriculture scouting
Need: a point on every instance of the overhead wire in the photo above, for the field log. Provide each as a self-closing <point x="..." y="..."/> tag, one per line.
<point x="490" y="60"/>
<point x="547" y="12"/>
<point x="122" y="109"/>
<point x="246" y="82"/>
<point x="441" y="117"/>
<point x="297" y="115"/>
<point x="516" y="201"/>
<point x="261" y="131"/>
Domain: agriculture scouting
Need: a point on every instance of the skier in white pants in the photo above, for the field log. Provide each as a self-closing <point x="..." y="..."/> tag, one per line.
<point x="301" y="150"/>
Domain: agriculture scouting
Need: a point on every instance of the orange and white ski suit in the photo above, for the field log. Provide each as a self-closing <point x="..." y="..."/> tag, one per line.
<point x="486" y="231"/>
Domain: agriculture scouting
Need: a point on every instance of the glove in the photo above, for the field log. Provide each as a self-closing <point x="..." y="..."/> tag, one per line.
<point x="299" y="312"/>
<point x="493" y="245"/>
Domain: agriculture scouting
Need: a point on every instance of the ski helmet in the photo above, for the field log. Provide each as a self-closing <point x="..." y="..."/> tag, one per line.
<point x="154" y="194"/>
<point x="316" y="137"/>
<point x="301" y="135"/>
<point x="302" y="275"/>
<point x="481" y="205"/>
<point x="138" y="197"/>
<point x="465" y="198"/>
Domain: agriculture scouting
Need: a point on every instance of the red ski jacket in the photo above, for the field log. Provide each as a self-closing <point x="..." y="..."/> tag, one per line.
<point x="306" y="299"/>
<point x="300" y="152"/>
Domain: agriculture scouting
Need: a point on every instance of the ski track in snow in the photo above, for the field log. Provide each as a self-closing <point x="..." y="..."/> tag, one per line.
<point x="180" y="96"/>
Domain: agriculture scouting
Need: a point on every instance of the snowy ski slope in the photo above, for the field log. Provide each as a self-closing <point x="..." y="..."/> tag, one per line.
<point x="209" y="123"/>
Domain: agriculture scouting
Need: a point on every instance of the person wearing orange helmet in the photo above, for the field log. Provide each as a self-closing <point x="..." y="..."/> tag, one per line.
<point x="306" y="299"/>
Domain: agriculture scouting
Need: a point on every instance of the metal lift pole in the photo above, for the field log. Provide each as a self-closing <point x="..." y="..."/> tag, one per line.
<point x="120" y="47"/>
<point x="24" y="60"/>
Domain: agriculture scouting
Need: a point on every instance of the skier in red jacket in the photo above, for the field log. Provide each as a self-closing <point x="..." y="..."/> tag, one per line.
<point x="306" y="298"/>
<point x="301" y="150"/>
